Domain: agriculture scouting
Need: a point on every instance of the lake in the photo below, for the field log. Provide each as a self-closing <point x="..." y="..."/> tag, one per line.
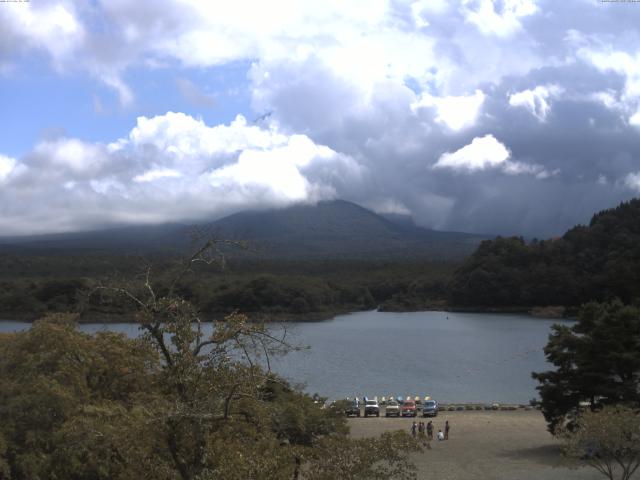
<point x="454" y="357"/>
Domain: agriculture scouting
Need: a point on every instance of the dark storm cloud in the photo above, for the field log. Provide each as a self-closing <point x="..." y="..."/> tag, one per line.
<point x="585" y="145"/>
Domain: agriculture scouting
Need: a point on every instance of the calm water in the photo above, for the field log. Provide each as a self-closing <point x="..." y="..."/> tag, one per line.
<point x="457" y="357"/>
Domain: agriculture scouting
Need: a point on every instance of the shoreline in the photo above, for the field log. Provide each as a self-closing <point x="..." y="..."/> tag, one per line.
<point x="131" y="317"/>
<point x="555" y="312"/>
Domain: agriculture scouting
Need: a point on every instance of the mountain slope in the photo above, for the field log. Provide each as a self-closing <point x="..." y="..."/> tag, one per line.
<point x="335" y="229"/>
<point x="339" y="229"/>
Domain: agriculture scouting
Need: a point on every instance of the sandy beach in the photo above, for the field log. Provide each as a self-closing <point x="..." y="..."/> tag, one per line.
<point x="484" y="445"/>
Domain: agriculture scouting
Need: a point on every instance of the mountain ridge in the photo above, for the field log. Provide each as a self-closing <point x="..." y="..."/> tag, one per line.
<point x="330" y="229"/>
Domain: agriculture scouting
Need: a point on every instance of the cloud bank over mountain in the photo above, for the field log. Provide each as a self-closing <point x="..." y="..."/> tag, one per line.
<point x="505" y="116"/>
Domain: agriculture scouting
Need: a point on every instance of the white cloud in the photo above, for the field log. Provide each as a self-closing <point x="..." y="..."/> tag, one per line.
<point x="422" y="10"/>
<point x="389" y="206"/>
<point x="520" y="168"/>
<point x="620" y="62"/>
<point x="504" y="20"/>
<point x="482" y="153"/>
<point x="606" y="98"/>
<point x="170" y="167"/>
<point x="107" y="186"/>
<point x="156" y="174"/>
<point x="6" y="166"/>
<point x="113" y="80"/>
<point x="188" y="142"/>
<point x="632" y="181"/>
<point x="362" y="43"/>
<point x="52" y="27"/>
<point x="454" y="112"/>
<point x="275" y="173"/>
<point x="625" y="64"/>
<point x="70" y="156"/>
<point x="536" y="100"/>
<point x="356" y="39"/>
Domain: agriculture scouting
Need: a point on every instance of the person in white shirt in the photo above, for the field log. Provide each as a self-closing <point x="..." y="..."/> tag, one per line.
<point x="440" y="435"/>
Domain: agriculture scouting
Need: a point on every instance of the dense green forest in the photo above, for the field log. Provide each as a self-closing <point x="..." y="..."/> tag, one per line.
<point x="33" y="285"/>
<point x="594" y="262"/>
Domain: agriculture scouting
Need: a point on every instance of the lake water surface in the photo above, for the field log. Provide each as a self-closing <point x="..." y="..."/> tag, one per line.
<point x="455" y="357"/>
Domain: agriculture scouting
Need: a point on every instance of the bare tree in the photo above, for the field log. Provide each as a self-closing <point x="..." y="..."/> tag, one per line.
<point x="211" y="375"/>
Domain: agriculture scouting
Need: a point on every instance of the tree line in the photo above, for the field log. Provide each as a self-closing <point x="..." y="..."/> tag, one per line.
<point x="33" y="286"/>
<point x="599" y="261"/>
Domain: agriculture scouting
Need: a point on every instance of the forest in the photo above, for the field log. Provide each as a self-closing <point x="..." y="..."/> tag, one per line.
<point x="598" y="261"/>
<point x="33" y="285"/>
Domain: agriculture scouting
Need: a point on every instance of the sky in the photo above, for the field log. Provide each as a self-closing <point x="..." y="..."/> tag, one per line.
<point x="510" y="117"/>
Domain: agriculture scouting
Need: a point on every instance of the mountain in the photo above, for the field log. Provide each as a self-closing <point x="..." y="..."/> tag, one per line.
<point x="589" y="262"/>
<point x="334" y="229"/>
<point x="339" y="229"/>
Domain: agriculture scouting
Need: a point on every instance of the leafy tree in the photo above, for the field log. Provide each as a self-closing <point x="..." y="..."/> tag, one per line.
<point x="597" y="361"/>
<point x="607" y="440"/>
<point x="4" y="464"/>
<point x="368" y="458"/>
<point x="51" y="378"/>
<point x="181" y="402"/>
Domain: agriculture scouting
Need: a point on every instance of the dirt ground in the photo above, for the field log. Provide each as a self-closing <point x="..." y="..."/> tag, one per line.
<point x="484" y="445"/>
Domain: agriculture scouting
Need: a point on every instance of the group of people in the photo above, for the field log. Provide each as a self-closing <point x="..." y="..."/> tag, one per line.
<point x="425" y="432"/>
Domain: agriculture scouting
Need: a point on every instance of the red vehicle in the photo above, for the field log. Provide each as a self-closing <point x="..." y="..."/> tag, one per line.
<point x="408" y="409"/>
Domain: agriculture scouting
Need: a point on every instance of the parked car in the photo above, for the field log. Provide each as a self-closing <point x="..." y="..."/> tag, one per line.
<point x="371" y="408"/>
<point x="392" y="409"/>
<point x="430" y="408"/>
<point x="408" y="409"/>
<point x="353" y="409"/>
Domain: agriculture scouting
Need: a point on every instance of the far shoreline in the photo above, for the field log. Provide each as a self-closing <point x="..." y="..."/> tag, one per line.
<point x="549" y="312"/>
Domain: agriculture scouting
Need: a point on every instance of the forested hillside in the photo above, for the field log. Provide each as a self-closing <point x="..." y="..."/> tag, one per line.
<point x="33" y="285"/>
<point x="593" y="262"/>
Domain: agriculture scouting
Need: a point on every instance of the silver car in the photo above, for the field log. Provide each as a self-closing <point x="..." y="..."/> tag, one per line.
<point x="392" y="408"/>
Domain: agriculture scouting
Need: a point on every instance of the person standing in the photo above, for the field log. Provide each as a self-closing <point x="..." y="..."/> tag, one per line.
<point x="414" y="427"/>
<point x="446" y="430"/>
<point x="430" y="430"/>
